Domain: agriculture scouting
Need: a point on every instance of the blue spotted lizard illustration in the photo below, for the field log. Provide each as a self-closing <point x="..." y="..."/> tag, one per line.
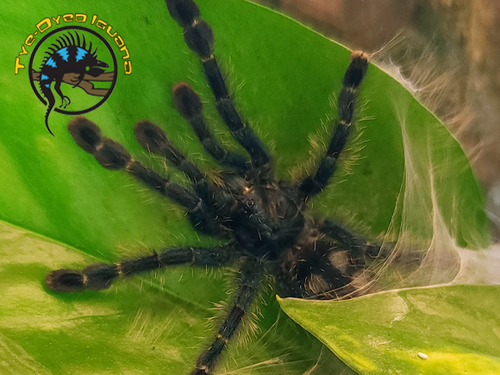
<point x="68" y="54"/>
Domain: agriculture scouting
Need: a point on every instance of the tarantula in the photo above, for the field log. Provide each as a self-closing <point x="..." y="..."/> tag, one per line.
<point x="263" y="221"/>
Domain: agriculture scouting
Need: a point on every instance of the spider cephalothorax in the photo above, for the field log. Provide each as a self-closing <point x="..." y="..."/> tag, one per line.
<point x="263" y="220"/>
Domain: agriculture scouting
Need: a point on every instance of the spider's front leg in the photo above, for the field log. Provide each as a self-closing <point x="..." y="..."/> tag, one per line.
<point x="189" y="105"/>
<point x="153" y="139"/>
<point x="355" y="73"/>
<point x="199" y="38"/>
<point x="249" y="277"/>
<point x="111" y="155"/>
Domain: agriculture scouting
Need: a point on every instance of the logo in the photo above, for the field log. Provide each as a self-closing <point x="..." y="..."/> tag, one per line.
<point x="72" y="69"/>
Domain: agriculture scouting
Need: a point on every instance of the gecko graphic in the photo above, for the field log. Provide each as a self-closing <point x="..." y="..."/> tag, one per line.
<point x="68" y="54"/>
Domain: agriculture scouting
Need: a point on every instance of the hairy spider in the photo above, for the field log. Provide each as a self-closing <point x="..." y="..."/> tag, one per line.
<point x="263" y="221"/>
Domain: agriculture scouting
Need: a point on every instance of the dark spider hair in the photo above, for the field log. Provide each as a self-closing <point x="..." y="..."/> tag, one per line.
<point x="263" y="221"/>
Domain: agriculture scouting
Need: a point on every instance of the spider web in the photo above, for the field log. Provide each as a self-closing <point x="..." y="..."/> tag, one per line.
<point x="422" y="246"/>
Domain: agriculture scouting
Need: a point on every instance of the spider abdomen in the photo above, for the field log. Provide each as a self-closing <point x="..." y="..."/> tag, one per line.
<point x="262" y="220"/>
<point x="316" y="268"/>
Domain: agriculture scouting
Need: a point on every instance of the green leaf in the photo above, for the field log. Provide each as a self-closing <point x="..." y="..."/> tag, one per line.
<point x="134" y="328"/>
<point x="457" y="327"/>
<point x="282" y="75"/>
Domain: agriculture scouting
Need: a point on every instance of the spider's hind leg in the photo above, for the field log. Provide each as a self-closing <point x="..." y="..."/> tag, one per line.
<point x="355" y="73"/>
<point x="358" y="246"/>
<point x="250" y="275"/>
<point x="99" y="276"/>
<point x="199" y="38"/>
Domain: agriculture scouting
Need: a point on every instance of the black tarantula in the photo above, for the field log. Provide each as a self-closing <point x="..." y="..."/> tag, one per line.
<point x="263" y="221"/>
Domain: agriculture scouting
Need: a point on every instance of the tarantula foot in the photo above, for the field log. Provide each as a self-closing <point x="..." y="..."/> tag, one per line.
<point x="65" y="281"/>
<point x="361" y="55"/>
<point x="357" y="69"/>
<point x="183" y="11"/>
<point x="186" y="101"/>
<point x="86" y="134"/>
<point x="150" y="136"/>
<point x="108" y="153"/>
<point x="94" y="277"/>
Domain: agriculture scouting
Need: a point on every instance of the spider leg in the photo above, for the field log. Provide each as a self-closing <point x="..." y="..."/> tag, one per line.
<point x="189" y="105"/>
<point x="249" y="278"/>
<point x="154" y="139"/>
<point x="99" y="276"/>
<point x="313" y="185"/>
<point x="309" y="278"/>
<point x="199" y="38"/>
<point x="200" y="204"/>
<point x="207" y="218"/>
<point x="112" y="155"/>
<point x="357" y="245"/>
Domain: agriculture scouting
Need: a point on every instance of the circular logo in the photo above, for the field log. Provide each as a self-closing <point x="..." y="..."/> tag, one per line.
<point x="72" y="71"/>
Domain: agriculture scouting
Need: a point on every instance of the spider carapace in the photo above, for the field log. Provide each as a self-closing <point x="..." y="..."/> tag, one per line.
<point x="262" y="220"/>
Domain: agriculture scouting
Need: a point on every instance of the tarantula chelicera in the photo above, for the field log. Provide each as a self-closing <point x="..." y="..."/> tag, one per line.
<point x="263" y="221"/>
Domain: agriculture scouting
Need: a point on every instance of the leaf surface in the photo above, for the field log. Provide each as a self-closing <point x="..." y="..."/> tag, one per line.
<point x="457" y="327"/>
<point x="282" y="75"/>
